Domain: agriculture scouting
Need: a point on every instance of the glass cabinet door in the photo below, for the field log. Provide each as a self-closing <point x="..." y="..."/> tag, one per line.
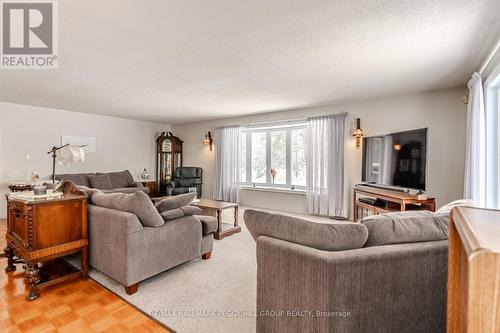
<point x="168" y="166"/>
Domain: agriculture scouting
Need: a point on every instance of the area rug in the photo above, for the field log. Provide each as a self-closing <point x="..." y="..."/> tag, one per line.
<point x="215" y="295"/>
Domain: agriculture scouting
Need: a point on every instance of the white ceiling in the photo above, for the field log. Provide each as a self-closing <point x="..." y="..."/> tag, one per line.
<point x="179" y="60"/>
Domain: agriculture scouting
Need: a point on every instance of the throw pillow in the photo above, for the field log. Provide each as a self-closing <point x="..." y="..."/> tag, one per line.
<point x="119" y="179"/>
<point x="173" y="214"/>
<point x="175" y="201"/>
<point x="101" y="182"/>
<point x="405" y="227"/>
<point x="137" y="203"/>
<point x="335" y="236"/>
<point x="191" y="210"/>
<point x="446" y="209"/>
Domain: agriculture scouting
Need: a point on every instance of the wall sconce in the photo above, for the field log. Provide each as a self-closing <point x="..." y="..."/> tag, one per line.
<point x="208" y="140"/>
<point x="358" y="132"/>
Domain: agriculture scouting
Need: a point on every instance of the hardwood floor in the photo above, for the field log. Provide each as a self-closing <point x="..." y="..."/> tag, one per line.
<point x="74" y="306"/>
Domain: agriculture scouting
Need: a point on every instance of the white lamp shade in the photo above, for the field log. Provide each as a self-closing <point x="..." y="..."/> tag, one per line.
<point x="69" y="155"/>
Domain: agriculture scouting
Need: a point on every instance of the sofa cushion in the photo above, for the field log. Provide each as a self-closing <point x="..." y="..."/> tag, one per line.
<point x="131" y="189"/>
<point x="180" y="190"/>
<point x="208" y="223"/>
<point x="137" y="203"/>
<point x="405" y="227"/>
<point x="180" y="212"/>
<point x="335" y="236"/>
<point x="172" y="214"/>
<point x="76" y="178"/>
<point x="101" y="182"/>
<point x="188" y="172"/>
<point x="191" y="210"/>
<point x="120" y="179"/>
<point x="184" y="182"/>
<point x="175" y="202"/>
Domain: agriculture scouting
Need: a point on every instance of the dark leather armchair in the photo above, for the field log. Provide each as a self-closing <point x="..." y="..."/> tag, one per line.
<point x="186" y="177"/>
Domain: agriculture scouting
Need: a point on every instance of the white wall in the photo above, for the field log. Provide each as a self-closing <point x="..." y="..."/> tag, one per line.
<point x="441" y="111"/>
<point x="121" y="143"/>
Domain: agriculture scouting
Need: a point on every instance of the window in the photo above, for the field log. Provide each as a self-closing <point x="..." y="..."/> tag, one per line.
<point x="279" y="147"/>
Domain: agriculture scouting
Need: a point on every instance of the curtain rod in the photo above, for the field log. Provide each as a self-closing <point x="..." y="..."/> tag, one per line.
<point x="264" y="123"/>
<point x="274" y="122"/>
<point x="490" y="56"/>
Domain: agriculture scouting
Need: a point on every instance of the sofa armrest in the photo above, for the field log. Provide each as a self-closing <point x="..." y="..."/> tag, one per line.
<point x="112" y="221"/>
<point x="136" y="184"/>
<point x="323" y="236"/>
<point x="109" y="230"/>
<point x="391" y="288"/>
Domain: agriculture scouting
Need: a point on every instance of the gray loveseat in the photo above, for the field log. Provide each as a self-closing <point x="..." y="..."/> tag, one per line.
<point x="131" y="247"/>
<point x="110" y="182"/>
<point x="385" y="274"/>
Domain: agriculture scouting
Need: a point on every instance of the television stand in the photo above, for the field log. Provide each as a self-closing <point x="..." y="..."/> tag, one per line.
<point x="395" y="201"/>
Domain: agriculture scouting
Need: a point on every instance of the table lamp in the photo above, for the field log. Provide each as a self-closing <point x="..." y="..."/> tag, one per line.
<point x="66" y="155"/>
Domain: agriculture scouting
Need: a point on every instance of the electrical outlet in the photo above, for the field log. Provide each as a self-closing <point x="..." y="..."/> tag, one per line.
<point x="27" y="156"/>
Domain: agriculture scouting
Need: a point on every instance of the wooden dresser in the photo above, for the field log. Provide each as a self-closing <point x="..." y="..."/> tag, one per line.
<point x="474" y="271"/>
<point x="41" y="230"/>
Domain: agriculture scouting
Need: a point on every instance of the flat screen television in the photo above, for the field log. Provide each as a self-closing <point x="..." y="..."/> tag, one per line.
<point x="396" y="160"/>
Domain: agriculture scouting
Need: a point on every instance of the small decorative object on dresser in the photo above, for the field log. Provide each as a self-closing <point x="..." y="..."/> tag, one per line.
<point x="43" y="228"/>
<point x="27" y="185"/>
<point x="145" y="175"/>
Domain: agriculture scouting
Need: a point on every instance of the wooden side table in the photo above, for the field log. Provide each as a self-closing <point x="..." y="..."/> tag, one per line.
<point x="41" y="230"/>
<point x="151" y="185"/>
<point x="215" y="208"/>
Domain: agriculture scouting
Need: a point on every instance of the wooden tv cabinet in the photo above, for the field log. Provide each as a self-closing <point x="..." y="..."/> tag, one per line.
<point x="395" y="201"/>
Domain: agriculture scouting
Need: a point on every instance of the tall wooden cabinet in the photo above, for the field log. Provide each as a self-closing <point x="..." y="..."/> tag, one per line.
<point x="169" y="157"/>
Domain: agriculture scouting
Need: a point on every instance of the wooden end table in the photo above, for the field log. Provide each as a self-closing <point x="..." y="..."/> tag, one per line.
<point x="151" y="185"/>
<point x="215" y="208"/>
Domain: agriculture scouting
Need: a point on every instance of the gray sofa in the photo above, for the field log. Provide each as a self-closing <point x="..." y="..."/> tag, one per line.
<point x="133" y="247"/>
<point x="111" y="182"/>
<point x="385" y="274"/>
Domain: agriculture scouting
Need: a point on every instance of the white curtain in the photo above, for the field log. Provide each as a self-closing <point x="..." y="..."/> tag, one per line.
<point x="328" y="165"/>
<point x="227" y="164"/>
<point x="475" y="167"/>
